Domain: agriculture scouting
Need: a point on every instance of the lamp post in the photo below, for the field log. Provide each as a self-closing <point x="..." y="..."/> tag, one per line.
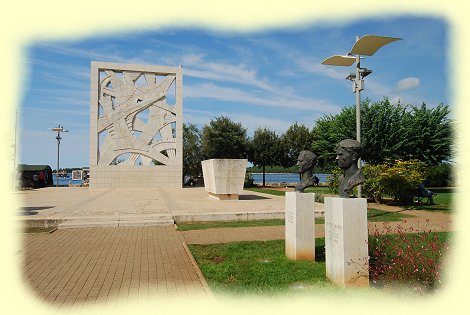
<point x="366" y="45"/>
<point x="58" y="129"/>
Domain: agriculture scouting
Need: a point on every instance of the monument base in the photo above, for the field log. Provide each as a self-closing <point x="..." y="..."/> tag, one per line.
<point x="224" y="196"/>
<point x="346" y="241"/>
<point x="224" y="178"/>
<point x="300" y="226"/>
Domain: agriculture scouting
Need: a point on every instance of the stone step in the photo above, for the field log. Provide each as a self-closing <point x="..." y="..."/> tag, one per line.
<point x="127" y="221"/>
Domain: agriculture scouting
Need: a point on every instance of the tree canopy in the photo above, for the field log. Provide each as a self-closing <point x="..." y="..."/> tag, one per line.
<point x="388" y="131"/>
<point x="224" y="139"/>
<point x="192" y="154"/>
<point x="296" y="138"/>
<point x="265" y="149"/>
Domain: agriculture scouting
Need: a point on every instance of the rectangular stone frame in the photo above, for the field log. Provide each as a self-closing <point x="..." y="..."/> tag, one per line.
<point x="128" y="176"/>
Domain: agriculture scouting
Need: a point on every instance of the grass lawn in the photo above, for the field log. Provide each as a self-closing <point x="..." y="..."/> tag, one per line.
<point x="266" y="191"/>
<point x="316" y="189"/>
<point x="442" y="201"/>
<point x="185" y="226"/>
<point x="258" y="267"/>
<point x="37" y="229"/>
<point x="262" y="268"/>
<point x="376" y="215"/>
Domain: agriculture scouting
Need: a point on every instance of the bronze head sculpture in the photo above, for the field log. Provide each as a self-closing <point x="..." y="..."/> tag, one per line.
<point x="348" y="153"/>
<point x="305" y="163"/>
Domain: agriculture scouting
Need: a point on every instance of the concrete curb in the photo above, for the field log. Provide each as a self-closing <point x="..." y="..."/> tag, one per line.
<point x="198" y="271"/>
<point x="152" y="220"/>
<point x="247" y="216"/>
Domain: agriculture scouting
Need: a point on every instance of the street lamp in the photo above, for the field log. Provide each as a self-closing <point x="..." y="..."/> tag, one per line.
<point x="366" y="45"/>
<point x="58" y="129"/>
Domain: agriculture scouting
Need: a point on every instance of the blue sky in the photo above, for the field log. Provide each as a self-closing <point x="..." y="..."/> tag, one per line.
<point x="266" y="78"/>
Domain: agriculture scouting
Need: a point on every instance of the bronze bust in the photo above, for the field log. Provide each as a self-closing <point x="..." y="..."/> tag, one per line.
<point x="348" y="153"/>
<point x="305" y="163"/>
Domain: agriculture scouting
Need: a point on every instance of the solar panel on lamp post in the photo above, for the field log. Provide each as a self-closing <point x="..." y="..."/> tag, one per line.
<point x="367" y="46"/>
<point x="58" y="129"/>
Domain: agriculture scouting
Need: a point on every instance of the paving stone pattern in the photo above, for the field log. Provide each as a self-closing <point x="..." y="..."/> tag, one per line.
<point x="104" y="265"/>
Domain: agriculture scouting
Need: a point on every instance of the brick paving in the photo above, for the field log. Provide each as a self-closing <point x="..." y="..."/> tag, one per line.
<point x="107" y="265"/>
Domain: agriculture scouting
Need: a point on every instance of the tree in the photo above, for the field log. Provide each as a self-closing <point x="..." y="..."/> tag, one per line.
<point x="192" y="151"/>
<point x="265" y="148"/>
<point x="388" y="131"/>
<point x="296" y="138"/>
<point x="428" y="134"/>
<point x="329" y="131"/>
<point x="383" y="131"/>
<point x="224" y="139"/>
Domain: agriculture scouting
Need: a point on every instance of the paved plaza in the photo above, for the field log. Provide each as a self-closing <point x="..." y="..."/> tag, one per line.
<point x="81" y="207"/>
<point x="115" y="245"/>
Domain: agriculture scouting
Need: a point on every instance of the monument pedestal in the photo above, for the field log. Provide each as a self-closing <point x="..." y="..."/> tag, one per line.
<point x="300" y="226"/>
<point x="224" y="178"/>
<point x="346" y="241"/>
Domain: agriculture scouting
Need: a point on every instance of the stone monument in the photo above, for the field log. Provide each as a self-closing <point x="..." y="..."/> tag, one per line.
<point x="135" y="126"/>
<point x="346" y="234"/>
<point x="300" y="212"/>
<point x="224" y="178"/>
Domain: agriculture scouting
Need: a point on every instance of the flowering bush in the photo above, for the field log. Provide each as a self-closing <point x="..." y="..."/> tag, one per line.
<point x="374" y="186"/>
<point x="409" y="257"/>
<point x="398" y="179"/>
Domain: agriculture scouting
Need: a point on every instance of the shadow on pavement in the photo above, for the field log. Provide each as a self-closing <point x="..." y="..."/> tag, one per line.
<point x="251" y="197"/>
<point x="32" y="210"/>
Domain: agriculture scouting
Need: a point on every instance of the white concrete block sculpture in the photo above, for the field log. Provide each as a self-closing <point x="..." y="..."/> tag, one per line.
<point x="135" y="126"/>
<point x="224" y="178"/>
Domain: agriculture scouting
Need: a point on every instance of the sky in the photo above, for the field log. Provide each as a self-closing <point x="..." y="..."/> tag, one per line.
<point x="270" y="77"/>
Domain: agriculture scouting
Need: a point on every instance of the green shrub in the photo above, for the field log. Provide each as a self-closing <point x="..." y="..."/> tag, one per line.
<point x="398" y="179"/>
<point x="374" y="184"/>
<point x="249" y="181"/>
<point x="402" y="178"/>
<point x="333" y="180"/>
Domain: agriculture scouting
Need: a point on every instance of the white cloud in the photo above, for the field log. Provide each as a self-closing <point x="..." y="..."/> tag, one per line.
<point x="372" y="86"/>
<point x="408" y="83"/>
<point x="226" y="72"/>
<point x="212" y="91"/>
<point x="195" y="66"/>
<point x="317" y="68"/>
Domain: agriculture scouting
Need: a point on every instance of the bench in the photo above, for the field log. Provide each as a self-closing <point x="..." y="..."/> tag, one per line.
<point x="422" y="193"/>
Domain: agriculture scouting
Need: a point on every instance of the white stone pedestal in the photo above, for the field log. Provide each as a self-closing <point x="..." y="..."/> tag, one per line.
<point x="346" y="241"/>
<point x="224" y="178"/>
<point x="300" y="226"/>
